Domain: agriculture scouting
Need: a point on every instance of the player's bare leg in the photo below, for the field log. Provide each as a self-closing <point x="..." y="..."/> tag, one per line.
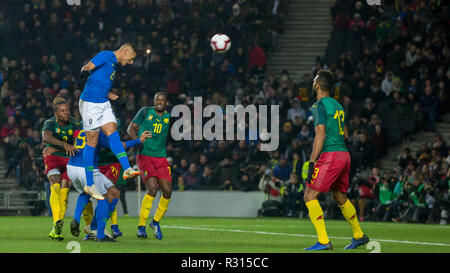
<point x="110" y="130"/>
<point x="113" y="194"/>
<point x="316" y="216"/>
<point x="349" y="212"/>
<point x="166" y="187"/>
<point x="55" y="204"/>
<point x="88" y="160"/>
<point x="152" y="186"/>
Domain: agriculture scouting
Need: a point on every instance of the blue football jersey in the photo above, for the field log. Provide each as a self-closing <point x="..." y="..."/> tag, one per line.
<point x="101" y="78"/>
<point x="80" y="143"/>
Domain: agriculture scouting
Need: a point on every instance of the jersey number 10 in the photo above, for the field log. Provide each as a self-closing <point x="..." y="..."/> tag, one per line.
<point x="339" y="115"/>
<point x="157" y="127"/>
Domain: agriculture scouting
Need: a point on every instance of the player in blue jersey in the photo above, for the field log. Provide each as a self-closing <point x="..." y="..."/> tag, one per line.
<point x="96" y="110"/>
<point x="106" y="192"/>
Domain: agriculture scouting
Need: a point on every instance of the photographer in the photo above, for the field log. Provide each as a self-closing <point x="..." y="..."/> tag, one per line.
<point x="384" y="192"/>
<point x="271" y="186"/>
<point x="292" y="194"/>
<point x="442" y="201"/>
<point x="417" y="210"/>
<point x="366" y="194"/>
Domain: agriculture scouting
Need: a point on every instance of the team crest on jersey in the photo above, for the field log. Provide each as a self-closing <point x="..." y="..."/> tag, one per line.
<point x="166" y="120"/>
<point x="150" y="117"/>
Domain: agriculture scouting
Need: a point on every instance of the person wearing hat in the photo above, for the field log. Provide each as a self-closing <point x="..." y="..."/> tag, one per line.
<point x="296" y="110"/>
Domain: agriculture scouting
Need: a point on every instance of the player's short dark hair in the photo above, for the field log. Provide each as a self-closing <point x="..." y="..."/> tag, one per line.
<point x="131" y="45"/>
<point x="57" y="102"/>
<point x="160" y="93"/>
<point x="324" y="80"/>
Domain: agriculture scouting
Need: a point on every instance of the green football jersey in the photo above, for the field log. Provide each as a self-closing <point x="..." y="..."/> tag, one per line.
<point x="63" y="133"/>
<point x="149" y="120"/>
<point x="329" y="112"/>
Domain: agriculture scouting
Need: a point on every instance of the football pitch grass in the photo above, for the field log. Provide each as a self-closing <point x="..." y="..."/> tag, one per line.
<point x="224" y="235"/>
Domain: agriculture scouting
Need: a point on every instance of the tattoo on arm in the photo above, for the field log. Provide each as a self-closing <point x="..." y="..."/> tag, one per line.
<point x="47" y="137"/>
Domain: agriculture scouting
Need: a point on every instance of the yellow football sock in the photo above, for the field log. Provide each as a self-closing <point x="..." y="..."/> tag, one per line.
<point x="88" y="214"/>
<point x="349" y="212"/>
<point x="114" y="217"/>
<point x="146" y="206"/>
<point x="55" y="203"/>
<point x="63" y="196"/>
<point x="316" y="216"/>
<point x="162" y="208"/>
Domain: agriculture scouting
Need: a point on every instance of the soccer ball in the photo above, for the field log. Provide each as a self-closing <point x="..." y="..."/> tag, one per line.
<point x="220" y="43"/>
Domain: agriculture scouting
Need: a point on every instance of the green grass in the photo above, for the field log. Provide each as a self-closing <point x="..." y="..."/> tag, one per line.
<point x="210" y="235"/>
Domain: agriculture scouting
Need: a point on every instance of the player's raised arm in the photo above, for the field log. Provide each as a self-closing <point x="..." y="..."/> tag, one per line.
<point x="133" y="128"/>
<point x="48" y="138"/>
<point x="88" y="67"/>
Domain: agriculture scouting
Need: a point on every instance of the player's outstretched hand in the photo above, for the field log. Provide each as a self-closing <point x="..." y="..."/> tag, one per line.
<point x="310" y="172"/>
<point x="70" y="150"/>
<point x="48" y="151"/>
<point x="84" y="74"/>
<point x="145" y="135"/>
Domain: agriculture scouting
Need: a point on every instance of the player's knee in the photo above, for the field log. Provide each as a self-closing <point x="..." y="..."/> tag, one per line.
<point x="55" y="178"/>
<point x="114" y="192"/>
<point x="92" y="138"/>
<point x="309" y="195"/>
<point x="339" y="197"/>
<point x="65" y="183"/>
<point x="167" y="193"/>
<point x="109" y="128"/>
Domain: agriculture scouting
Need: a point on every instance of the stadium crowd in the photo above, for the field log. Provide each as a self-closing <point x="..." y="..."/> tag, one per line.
<point x="398" y="69"/>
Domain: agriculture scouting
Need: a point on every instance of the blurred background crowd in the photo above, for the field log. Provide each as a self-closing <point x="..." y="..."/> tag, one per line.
<point x="391" y="67"/>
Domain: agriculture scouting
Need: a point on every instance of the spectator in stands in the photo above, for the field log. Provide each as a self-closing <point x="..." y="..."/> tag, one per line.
<point x="429" y="104"/>
<point x="192" y="178"/>
<point x="361" y="152"/>
<point x="9" y="127"/>
<point x="404" y="158"/>
<point x="257" y="59"/>
<point x="282" y="170"/>
<point x="379" y="142"/>
<point x="226" y="174"/>
<point x="387" y="84"/>
<point x="296" y="110"/>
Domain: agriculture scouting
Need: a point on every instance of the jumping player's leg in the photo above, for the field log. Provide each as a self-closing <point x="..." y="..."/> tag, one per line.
<point x="110" y="130"/>
<point x="88" y="156"/>
<point x="105" y="206"/>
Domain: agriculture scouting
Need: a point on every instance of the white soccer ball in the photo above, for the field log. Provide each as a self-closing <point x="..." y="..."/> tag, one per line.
<point x="220" y="43"/>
